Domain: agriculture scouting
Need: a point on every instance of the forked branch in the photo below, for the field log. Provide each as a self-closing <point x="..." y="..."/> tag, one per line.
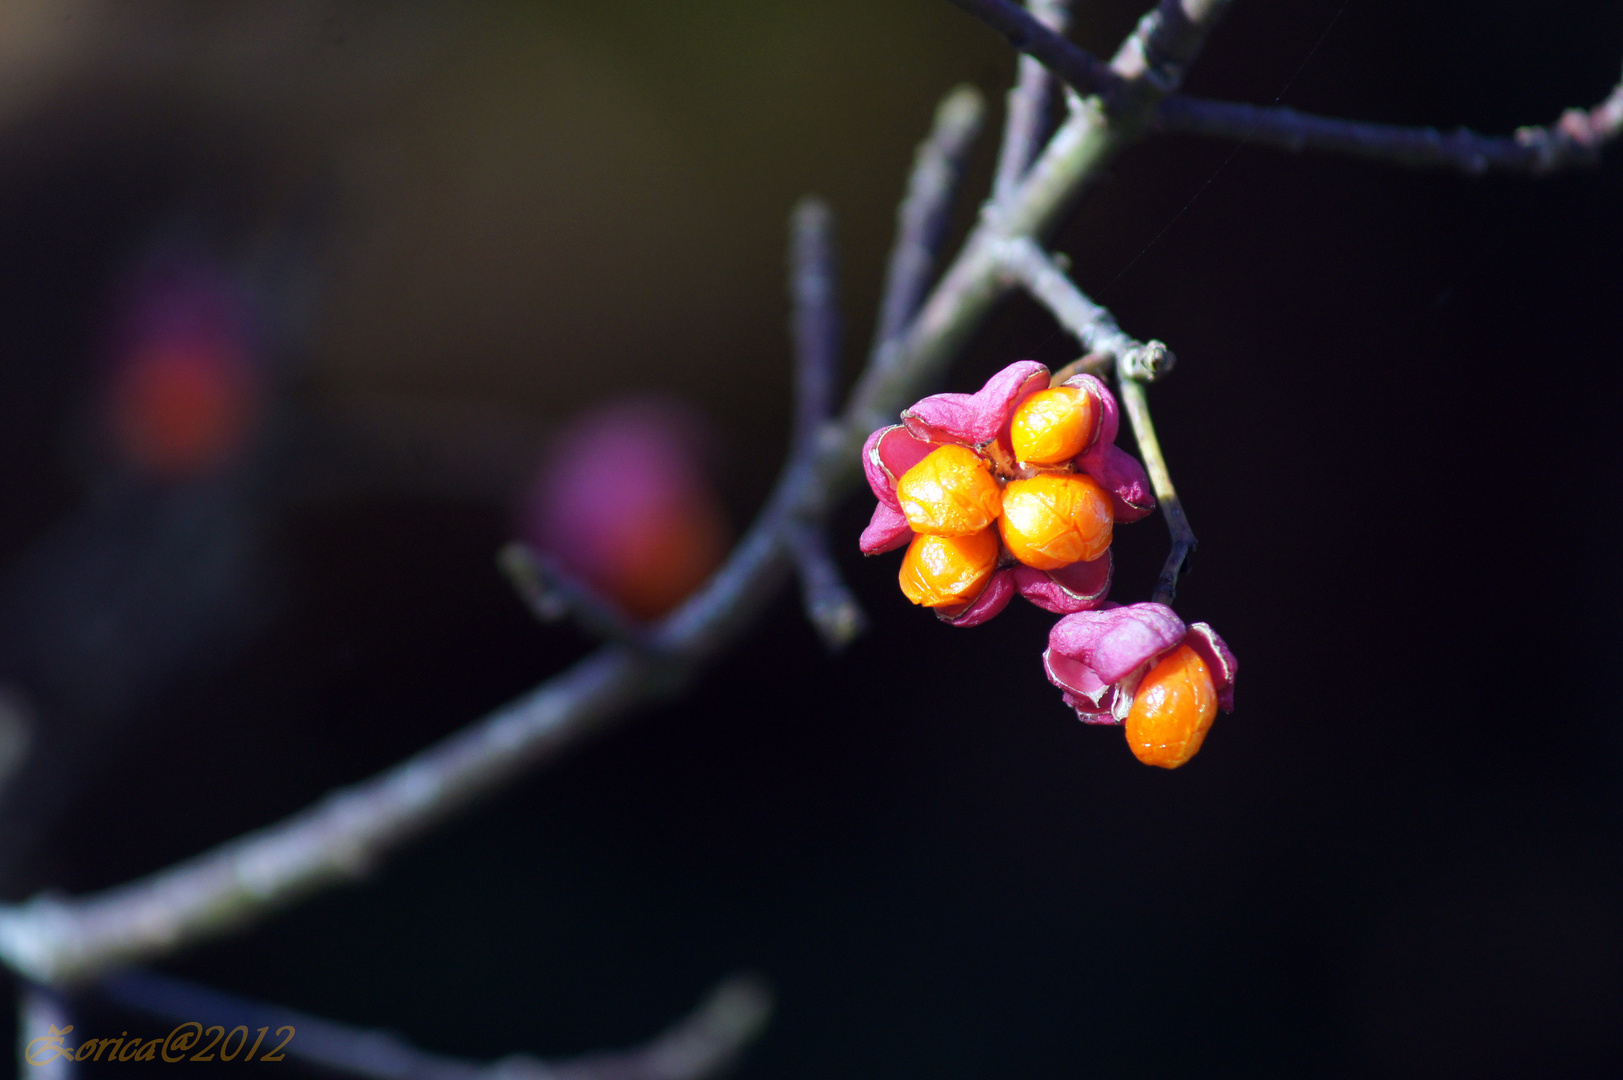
<point x="55" y="939"/>
<point x="1576" y="139"/>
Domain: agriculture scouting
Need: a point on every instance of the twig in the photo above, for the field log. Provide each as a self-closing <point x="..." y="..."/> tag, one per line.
<point x="815" y="327"/>
<point x="1136" y="363"/>
<point x="925" y="212"/>
<point x="55" y="939"/>
<point x="44" y="1030"/>
<point x="1084" y="71"/>
<point x="1149" y="448"/>
<point x="815" y="318"/>
<point x="830" y="606"/>
<point x="701" y="1044"/>
<point x="1027" y="115"/>
<point x="1089" y="323"/>
<point x="1574" y="140"/>
<point x="552" y="594"/>
<point x="1093" y="363"/>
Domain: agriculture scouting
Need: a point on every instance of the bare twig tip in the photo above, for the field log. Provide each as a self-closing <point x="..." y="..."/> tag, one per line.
<point x="961" y="110"/>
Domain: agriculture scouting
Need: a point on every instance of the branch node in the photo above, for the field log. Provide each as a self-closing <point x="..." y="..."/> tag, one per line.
<point x="1146" y="362"/>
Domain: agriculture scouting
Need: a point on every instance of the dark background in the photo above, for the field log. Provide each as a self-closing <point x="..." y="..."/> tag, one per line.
<point x="1394" y="426"/>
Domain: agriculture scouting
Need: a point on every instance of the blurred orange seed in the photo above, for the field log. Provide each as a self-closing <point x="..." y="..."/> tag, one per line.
<point x="1053" y="426"/>
<point x="939" y="571"/>
<point x="1055" y="519"/>
<point x="1172" y="710"/>
<point x="950" y="493"/>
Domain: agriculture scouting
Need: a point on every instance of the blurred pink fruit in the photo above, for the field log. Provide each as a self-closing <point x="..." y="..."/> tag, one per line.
<point x="624" y="502"/>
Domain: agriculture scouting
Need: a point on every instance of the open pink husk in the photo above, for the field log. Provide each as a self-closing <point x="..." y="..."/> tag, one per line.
<point x="981" y="421"/>
<point x="1097" y="657"/>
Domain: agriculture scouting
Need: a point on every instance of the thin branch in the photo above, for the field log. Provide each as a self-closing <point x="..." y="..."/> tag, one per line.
<point x="704" y="1043"/>
<point x="1027" y="116"/>
<point x="1078" y="67"/>
<point x="1089" y="323"/>
<point x="1093" y="363"/>
<point x="1149" y="448"/>
<point x="926" y="210"/>
<point x="1575" y="140"/>
<point x="552" y="594"/>
<point x="1136" y="362"/>
<point x="815" y="319"/>
<point x="56" y="939"/>
<point x="830" y="606"/>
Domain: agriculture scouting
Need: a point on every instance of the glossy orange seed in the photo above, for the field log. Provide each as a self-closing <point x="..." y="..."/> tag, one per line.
<point x="950" y="493"/>
<point x="1056" y="519"/>
<point x="1053" y="426"/>
<point x="1175" y="705"/>
<point x="939" y="571"/>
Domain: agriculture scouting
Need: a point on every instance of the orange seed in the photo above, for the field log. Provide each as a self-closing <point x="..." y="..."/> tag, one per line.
<point x="1053" y="426"/>
<point x="950" y="493"/>
<point x="939" y="571"/>
<point x="1055" y="519"/>
<point x="1175" y="705"/>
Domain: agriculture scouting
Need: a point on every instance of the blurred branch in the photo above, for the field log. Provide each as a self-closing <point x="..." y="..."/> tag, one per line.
<point x="1136" y="363"/>
<point x="1576" y="139"/>
<point x="57" y="939"/>
<point x="1027" y="115"/>
<point x="925" y="212"/>
<point x="1027" y="33"/>
<point x="704" y="1043"/>
<point x="815" y="316"/>
<point x="830" y="606"/>
<point x="552" y="594"/>
<point x="43" y="1024"/>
